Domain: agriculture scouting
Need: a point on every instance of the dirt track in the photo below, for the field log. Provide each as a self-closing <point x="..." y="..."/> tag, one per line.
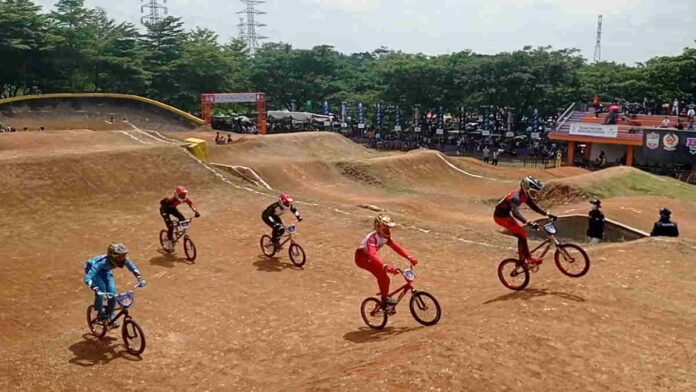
<point x="235" y="320"/>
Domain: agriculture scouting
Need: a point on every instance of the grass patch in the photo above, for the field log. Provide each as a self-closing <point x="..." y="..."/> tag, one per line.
<point x="642" y="184"/>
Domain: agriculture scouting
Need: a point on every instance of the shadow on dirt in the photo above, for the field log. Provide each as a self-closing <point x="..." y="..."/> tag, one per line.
<point x="273" y="264"/>
<point x="168" y="260"/>
<point x="92" y="351"/>
<point x="368" y="335"/>
<point x="533" y="293"/>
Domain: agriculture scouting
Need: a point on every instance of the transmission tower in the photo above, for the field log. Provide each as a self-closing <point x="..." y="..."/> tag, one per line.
<point x="241" y="30"/>
<point x="598" y="45"/>
<point x="250" y="36"/>
<point x="155" y="7"/>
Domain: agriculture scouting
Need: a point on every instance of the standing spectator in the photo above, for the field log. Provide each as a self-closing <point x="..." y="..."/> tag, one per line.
<point x="486" y="154"/>
<point x="595" y="228"/>
<point x="666" y="123"/>
<point x="496" y="152"/>
<point x="664" y="226"/>
<point x="675" y="107"/>
<point x="691" y="113"/>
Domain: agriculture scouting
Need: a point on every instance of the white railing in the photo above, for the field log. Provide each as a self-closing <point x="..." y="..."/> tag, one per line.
<point x="565" y="116"/>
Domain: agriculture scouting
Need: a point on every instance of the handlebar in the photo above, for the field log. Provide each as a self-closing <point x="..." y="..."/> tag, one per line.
<point x="111" y="295"/>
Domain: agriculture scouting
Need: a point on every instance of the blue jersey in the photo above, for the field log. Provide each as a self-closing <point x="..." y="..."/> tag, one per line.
<point x="100" y="266"/>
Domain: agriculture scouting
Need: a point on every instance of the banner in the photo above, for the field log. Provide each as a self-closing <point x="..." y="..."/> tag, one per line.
<point x="344" y="112"/>
<point x="378" y="115"/>
<point x="325" y="108"/>
<point x="667" y="145"/>
<point x="596" y="130"/>
<point x="360" y="114"/>
<point x="397" y="118"/>
<point x="440" y="118"/>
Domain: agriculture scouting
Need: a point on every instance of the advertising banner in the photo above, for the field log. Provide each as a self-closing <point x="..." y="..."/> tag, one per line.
<point x="397" y="118"/>
<point x="596" y="130"/>
<point x="668" y="145"/>
<point x="378" y="115"/>
<point x="360" y="114"/>
<point x="344" y="112"/>
<point x="325" y="108"/>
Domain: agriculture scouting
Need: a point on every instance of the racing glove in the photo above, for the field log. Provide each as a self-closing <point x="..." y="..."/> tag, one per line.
<point x="412" y="260"/>
<point x="198" y="214"/>
<point x="299" y="219"/>
<point x="141" y="282"/>
<point x="533" y="225"/>
<point x="551" y="216"/>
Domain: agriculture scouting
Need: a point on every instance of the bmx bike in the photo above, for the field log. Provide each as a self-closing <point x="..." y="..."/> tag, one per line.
<point x="295" y="251"/>
<point x="570" y="259"/>
<point x="181" y="229"/>
<point x="132" y="334"/>
<point x="423" y="305"/>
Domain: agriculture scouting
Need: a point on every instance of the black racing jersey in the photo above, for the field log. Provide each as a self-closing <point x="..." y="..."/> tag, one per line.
<point x="278" y="209"/>
<point x="510" y="204"/>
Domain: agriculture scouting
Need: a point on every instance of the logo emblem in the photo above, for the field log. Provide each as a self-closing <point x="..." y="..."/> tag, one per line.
<point x="691" y="145"/>
<point x="671" y="140"/>
<point x="652" y="140"/>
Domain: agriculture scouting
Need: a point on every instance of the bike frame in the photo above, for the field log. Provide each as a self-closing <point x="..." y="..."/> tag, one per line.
<point x="287" y="236"/>
<point x="123" y="310"/>
<point x="179" y="231"/>
<point x="403" y="289"/>
<point x="550" y="239"/>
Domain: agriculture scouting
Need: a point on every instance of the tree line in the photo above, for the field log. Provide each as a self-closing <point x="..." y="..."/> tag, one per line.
<point x="79" y="49"/>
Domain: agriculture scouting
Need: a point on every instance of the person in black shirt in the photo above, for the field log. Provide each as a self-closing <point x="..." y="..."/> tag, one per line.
<point x="595" y="228"/>
<point x="271" y="216"/>
<point x="664" y="226"/>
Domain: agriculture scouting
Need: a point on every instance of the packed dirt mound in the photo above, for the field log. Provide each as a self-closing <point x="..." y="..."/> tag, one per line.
<point x="93" y="111"/>
<point x="477" y="166"/>
<point x="327" y="146"/>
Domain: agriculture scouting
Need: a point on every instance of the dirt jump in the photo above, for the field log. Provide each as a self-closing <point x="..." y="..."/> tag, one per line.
<point x="236" y="320"/>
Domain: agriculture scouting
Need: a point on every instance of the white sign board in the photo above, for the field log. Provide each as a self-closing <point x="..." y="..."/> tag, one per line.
<point x="509" y="134"/>
<point x="397" y="128"/>
<point x="439" y="131"/>
<point x="597" y="130"/>
<point x="344" y="125"/>
<point x="234" y="97"/>
<point x="535" y="135"/>
<point x="327" y="123"/>
<point x="485" y="133"/>
<point x="417" y="129"/>
<point x="361" y="126"/>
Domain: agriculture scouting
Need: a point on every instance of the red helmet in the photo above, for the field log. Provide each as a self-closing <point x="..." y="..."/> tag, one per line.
<point x="181" y="192"/>
<point x="285" y="199"/>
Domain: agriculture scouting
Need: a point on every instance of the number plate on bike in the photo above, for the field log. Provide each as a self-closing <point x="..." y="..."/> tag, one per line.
<point x="184" y="224"/>
<point x="550" y="227"/>
<point x="409" y="274"/>
<point x="291" y="228"/>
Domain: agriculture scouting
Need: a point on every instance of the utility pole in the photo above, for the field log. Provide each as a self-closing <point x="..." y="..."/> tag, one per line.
<point x="154" y="14"/>
<point x="598" y="45"/>
<point x="251" y="37"/>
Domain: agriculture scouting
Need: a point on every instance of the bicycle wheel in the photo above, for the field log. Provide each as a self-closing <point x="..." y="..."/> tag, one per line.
<point x="97" y="327"/>
<point x="267" y="245"/>
<point x="425" y="308"/>
<point x="572" y="260"/>
<point x="189" y="249"/>
<point x="133" y="337"/>
<point x="297" y="254"/>
<point x="163" y="237"/>
<point x="513" y="274"/>
<point x="373" y="313"/>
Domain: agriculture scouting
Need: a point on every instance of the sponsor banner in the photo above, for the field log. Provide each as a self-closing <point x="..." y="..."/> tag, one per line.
<point x="669" y="145"/>
<point x="439" y="131"/>
<point x="325" y="108"/>
<point x="231" y="97"/>
<point x="596" y="130"/>
<point x="361" y="115"/>
<point x="344" y="112"/>
<point x="397" y="118"/>
<point x="378" y="115"/>
<point x="440" y="117"/>
<point x="361" y="126"/>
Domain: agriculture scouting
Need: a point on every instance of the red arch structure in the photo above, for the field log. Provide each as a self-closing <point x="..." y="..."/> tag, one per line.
<point x="208" y="100"/>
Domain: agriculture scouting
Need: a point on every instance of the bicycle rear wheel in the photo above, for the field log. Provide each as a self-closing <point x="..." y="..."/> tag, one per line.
<point x="267" y="245"/>
<point x="297" y="254"/>
<point x="572" y="260"/>
<point x="425" y="308"/>
<point x="97" y="327"/>
<point x="373" y="313"/>
<point x="513" y="274"/>
<point x="133" y="337"/>
<point x="163" y="237"/>
<point x="189" y="249"/>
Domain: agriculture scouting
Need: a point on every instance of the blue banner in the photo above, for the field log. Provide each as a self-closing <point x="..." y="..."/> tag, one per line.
<point x="360" y="113"/>
<point x="397" y="117"/>
<point x="325" y="108"/>
<point x="378" y="115"/>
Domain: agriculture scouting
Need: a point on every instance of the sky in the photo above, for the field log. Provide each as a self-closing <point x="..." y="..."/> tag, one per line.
<point x="633" y="30"/>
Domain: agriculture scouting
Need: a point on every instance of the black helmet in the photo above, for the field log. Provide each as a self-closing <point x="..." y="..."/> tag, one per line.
<point x="595" y="201"/>
<point x="115" y="250"/>
<point x="665" y="212"/>
<point x="531" y="187"/>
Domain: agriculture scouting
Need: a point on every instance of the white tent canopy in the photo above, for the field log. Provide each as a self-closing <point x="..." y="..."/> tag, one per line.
<point x="301" y="117"/>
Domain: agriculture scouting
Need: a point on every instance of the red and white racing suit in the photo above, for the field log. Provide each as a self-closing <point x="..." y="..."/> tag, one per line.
<point x="366" y="257"/>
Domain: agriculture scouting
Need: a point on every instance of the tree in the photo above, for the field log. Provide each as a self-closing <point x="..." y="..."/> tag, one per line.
<point x="163" y="44"/>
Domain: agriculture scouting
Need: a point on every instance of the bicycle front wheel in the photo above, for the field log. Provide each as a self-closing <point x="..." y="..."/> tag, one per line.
<point x="133" y="337"/>
<point x="189" y="249"/>
<point x="373" y="313"/>
<point x="513" y="274"/>
<point x="572" y="260"/>
<point x="267" y="245"/>
<point x="297" y="254"/>
<point x="425" y="308"/>
<point x="96" y="326"/>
